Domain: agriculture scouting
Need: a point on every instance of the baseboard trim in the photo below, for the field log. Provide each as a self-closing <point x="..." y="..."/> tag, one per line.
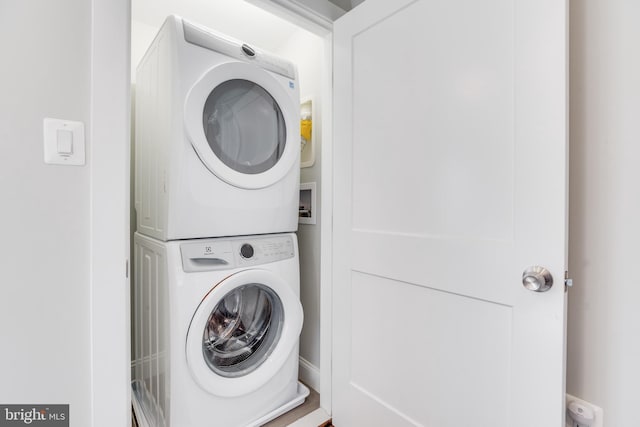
<point x="309" y="374"/>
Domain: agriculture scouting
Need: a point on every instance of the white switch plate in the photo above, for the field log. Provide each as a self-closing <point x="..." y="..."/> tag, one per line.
<point x="599" y="418"/>
<point x="58" y="152"/>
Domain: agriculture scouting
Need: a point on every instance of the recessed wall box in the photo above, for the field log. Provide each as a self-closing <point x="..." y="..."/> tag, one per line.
<point x="307" y="208"/>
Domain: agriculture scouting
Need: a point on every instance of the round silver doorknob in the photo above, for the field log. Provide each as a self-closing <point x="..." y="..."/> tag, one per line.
<point x="537" y="279"/>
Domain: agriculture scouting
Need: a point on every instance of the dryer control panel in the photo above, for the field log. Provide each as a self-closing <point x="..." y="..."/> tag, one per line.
<point x="228" y="253"/>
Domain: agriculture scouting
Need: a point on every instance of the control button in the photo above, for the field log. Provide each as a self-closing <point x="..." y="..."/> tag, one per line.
<point x="248" y="50"/>
<point x="246" y="250"/>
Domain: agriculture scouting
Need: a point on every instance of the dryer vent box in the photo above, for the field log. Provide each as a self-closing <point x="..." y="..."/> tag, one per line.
<point x="307" y="206"/>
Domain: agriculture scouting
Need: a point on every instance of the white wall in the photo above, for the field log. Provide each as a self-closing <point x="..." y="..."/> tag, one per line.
<point x="604" y="314"/>
<point x="307" y="51"/>
<point x="63" y="306"/>
<point x="45" y="218"/>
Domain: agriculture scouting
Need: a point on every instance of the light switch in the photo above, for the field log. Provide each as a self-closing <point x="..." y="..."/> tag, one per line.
<point x="63" y="142"/>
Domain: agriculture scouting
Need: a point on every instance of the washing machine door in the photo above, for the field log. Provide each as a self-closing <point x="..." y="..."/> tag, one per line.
<point x="249" y="318"/>
<point x="244" y="125"/>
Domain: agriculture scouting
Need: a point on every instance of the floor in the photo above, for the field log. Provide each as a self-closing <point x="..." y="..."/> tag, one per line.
<point x="311" y="403"/>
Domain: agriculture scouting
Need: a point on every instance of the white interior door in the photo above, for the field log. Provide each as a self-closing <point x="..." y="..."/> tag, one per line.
<point x="450" y="180"/>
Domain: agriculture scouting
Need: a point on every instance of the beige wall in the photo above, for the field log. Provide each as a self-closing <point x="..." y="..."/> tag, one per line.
<point x="604" y="304"/>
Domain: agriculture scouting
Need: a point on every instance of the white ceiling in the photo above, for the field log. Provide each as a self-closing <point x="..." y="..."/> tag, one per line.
<point x="235" y="18"/>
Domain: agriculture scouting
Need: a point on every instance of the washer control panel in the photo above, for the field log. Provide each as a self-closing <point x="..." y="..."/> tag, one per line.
<point x="228" y="253"/>
<point x="263" y="250"/>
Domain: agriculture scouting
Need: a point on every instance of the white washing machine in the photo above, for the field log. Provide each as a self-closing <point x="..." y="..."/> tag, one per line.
<point x="216" y="325"/>
<point x="217" y="137"/>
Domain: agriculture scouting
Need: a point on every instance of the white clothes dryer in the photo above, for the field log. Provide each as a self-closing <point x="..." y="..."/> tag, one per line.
<point x="216" y="328"/>
<point x="217" y="137"/>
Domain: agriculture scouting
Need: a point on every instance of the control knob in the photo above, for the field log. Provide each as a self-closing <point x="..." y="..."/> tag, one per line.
<point x="246" y="250"/>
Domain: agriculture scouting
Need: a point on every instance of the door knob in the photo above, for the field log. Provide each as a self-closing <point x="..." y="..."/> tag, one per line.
<point x="537" y="279"/>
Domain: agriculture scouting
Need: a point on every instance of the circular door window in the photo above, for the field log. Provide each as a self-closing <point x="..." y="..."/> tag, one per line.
<point x="243" y="332"/>
<point x="244" y="124"/>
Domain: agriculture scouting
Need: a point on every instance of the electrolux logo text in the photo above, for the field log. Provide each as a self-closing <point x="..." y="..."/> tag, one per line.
<point x="34" y="415"/>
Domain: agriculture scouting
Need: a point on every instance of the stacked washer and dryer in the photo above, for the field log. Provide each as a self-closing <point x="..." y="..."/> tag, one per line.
<point x="216" y="307"/>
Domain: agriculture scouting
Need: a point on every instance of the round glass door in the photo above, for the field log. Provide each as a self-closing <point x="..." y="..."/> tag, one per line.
<point x="244" y="126"/>
<point x="242" y="330"/>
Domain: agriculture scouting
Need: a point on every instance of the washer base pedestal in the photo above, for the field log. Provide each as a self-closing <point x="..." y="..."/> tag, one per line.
<point x="301" y="395"/>
<point x="146" y="411"/>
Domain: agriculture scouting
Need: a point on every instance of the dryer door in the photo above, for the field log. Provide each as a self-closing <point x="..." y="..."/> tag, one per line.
<point x="244" y="125"/>
<point x="248" y="318"/>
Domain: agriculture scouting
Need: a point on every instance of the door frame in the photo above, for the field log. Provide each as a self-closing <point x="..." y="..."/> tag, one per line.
<point x="108" y="158"/>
